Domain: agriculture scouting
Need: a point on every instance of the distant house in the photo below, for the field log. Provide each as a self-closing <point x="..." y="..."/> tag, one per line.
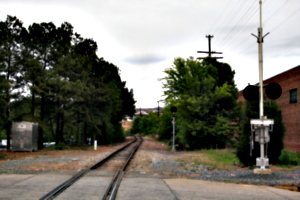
<point x="145" y="111"/>
<point x="127" y="123"/>
<point x="288" y="104"/>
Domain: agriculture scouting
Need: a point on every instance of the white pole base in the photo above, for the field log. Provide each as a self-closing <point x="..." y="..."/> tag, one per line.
<point x="262" y="171"/>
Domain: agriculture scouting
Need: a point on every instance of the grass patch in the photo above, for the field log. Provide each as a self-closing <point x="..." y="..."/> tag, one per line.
<point x="2" y="156"/>
<point x="224" y="157"/>
<point x="220" y="159"/>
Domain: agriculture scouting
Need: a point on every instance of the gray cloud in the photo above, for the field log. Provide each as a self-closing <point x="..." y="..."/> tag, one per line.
<point x="145" y="59"/>
<point x="135" y="32"/>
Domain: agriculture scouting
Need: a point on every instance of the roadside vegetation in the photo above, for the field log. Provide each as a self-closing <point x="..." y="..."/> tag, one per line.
<point x="216" y="159"/>
<point x="53" y="76"/>
<point x="208" y="116"/>
<point x="226" y="159"/>
<point x="289" y="158"/>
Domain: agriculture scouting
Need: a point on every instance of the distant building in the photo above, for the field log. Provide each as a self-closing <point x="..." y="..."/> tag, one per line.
<point x="127" y="123"/>
<point x="145" y="111"/>
<point x="288" y="104"/>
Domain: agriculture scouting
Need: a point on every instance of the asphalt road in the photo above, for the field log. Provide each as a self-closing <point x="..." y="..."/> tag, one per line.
<point x="138" y="185"/>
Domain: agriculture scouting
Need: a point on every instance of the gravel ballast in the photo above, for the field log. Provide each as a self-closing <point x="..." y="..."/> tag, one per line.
<point x="241" y="176"/>
<point x="152" y="156"/>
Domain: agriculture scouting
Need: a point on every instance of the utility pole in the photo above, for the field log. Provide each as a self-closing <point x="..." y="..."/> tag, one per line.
<point x="173" y="110"/>
<point x="260" y="40"/>
<point x="261" y="126"/>
<point x="158" y="108"/>
<point x="209" y="52"/>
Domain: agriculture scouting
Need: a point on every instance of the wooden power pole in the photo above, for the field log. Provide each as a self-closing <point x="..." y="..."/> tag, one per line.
<point x="209" y="52"/>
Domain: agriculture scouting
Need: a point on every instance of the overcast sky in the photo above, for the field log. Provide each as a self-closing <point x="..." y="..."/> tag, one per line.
<point x="142" y="37"/>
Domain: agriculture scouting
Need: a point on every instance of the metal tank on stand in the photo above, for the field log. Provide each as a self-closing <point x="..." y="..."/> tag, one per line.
<point x="24" y="136"/>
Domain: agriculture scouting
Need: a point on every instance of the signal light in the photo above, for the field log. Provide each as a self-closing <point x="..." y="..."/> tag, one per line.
<point x="251" y="93"/>
<point x="273" y="90"/>
<point x="173" y="109"/>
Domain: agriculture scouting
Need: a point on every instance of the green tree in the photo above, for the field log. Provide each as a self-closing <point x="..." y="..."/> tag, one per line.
<point x="45" y="45"/>
<point x="10" y="33"/>
<point x="165" y="127"/>
<point x="206" y="103"/>
<point x="72" y="90"/>
<point x="146" y="125"/>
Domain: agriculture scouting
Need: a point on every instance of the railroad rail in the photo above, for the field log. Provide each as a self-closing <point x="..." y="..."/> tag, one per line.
<point x="115" y="182"/>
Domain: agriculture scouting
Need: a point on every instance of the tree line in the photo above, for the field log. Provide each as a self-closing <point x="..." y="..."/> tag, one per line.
<point x="53" y="76"/>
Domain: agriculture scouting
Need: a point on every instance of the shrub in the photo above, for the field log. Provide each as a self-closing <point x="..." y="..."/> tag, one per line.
<point x="275" y="145"/>
<point x="289" y="158"/>
<point x="60" y="146"/>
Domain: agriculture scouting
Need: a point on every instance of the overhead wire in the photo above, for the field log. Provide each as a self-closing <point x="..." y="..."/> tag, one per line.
<point x="228" y="26"/>
<point x="228" y="21"/>
<point x="286" y="19"/>
<point x="220" y="16"/>
<point x="248" y="47"/>
<point x="279" y="24"/>
<point x="284" y="4"/>
<point x="246" y="17"/>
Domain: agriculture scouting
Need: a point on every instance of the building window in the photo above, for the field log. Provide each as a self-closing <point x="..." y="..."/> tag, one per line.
<point x="293" y="96"/>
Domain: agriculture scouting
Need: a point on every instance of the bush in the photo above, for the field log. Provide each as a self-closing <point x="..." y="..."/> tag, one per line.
<point x="289" y="158"/>
<point x="275" y="145"/>
<point x="60" y="146"/>
<point x="2" y="156"/>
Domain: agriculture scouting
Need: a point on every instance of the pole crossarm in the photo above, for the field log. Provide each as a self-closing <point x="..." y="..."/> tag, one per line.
<point x="210" y="52"/>
<point x="213" y="52"/>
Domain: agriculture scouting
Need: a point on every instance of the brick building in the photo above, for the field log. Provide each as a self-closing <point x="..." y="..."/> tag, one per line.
<point x="289" y="105"/>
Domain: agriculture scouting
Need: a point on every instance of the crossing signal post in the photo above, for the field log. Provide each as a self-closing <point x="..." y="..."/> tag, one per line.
<point x="173" y="110"/>
<point x="262" y="126"/>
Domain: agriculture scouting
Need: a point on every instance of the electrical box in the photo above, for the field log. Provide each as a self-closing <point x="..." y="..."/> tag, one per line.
<point x="24" y="136"/>
<point x="262" y="162"/>
<point x="261" y="128"/>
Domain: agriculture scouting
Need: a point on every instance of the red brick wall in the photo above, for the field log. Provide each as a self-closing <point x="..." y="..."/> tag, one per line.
<point x="290" y="111"/>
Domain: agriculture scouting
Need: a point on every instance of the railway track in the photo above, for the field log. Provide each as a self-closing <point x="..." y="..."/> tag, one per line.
<point x="116" y="161"/>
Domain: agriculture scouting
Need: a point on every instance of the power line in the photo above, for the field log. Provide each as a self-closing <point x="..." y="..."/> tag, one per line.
<point x="284" y="4"/>
<point x="243" y="28"/>
<point x="232" y="13"/>
<point x="224" y="41"/>
<point x="281" y="23"/>
<point x="218" y="19"/>
<point x="240" y="18"/>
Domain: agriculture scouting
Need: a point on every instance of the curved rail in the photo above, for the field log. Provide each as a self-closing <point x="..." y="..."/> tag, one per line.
<point x="56" y="191"/>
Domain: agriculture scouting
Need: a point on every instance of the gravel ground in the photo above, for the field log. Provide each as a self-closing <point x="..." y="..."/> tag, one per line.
<point x="47" y="161"/>
<point x="240" y="176"/>
<point x="152" y="156"/>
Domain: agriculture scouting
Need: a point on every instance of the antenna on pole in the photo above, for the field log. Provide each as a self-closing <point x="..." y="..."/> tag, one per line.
<point x="209" y="52"/>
